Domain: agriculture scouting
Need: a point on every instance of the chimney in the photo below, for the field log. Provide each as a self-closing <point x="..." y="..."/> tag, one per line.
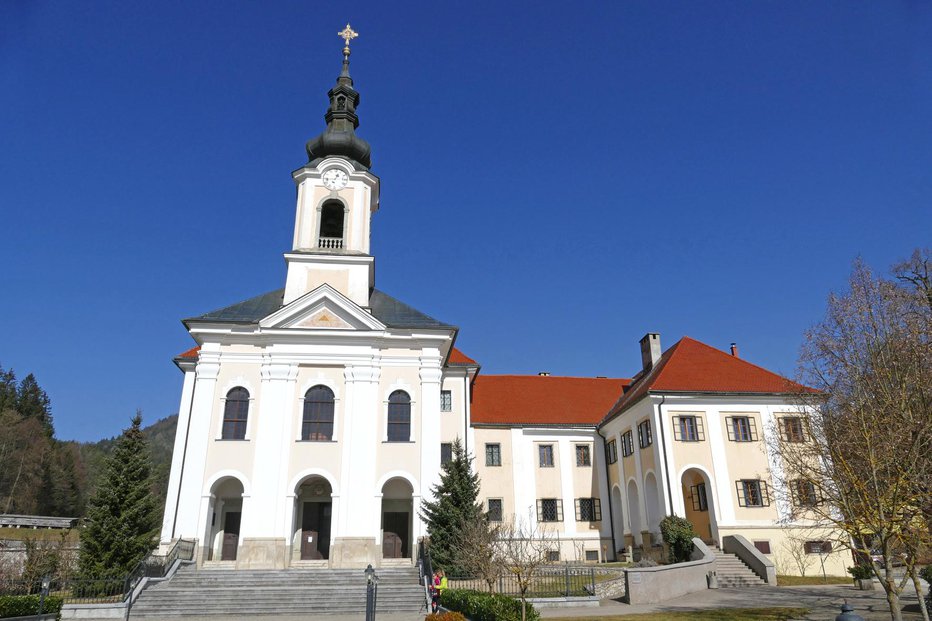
<point x="650" y="350"/>
<point x="544" y="374"/>
<point x="734" y="350"/>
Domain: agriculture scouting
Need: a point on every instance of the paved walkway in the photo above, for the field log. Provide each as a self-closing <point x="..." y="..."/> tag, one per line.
<point x="824" y="602"/>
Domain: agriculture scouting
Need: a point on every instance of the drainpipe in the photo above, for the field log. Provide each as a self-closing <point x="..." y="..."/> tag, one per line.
<point x="184" y="454"/>
<point x="467" y="398"/>
<point x="608" y="484"/>
<point x="663" y="450"/>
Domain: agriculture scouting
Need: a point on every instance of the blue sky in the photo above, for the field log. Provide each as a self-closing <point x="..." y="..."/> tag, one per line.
<point x="557" y="178"/>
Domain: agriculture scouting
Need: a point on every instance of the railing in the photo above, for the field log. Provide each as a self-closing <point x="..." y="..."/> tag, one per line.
<point x="72" y="591"/>
<point x="425" y="570"/>
<point x="156" y="566"/>
<point x="563" y="581"/>
<point x="333" y="243"/>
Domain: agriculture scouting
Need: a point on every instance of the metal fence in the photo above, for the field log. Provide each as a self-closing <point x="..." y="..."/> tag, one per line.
<point x="104" y="590"/>
<point x="563" y="581"/>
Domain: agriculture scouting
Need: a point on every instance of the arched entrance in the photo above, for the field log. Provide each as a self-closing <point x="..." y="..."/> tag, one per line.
<point x="697" y="497"/>
<point x="634" y="511"/>
<point x="224" y="518"/>
<point x="313" y="515"/>
<point x="618" y="519"/>
<point x="397" y="516"/>
<point x="652" y="503"/>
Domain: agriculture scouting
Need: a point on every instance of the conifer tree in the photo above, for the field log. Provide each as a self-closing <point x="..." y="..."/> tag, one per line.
<point x="122" y="520"/>
<point x="455" y="505"/>
<point x="32" y="402"/>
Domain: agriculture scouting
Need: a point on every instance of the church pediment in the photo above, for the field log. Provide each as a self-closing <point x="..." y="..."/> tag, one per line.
<point x="323" y="308"/>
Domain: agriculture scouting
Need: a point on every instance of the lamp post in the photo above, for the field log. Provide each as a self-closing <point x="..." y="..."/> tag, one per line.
<point x="847" y="614"/>
<point x="46" y="583"/>
<point x="372" y="585"/>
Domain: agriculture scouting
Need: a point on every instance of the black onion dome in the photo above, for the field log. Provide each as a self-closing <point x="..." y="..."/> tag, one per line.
<point x="340" y="136"/>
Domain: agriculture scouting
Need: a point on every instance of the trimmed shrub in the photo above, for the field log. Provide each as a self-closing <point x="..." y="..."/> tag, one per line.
<point x="861" y="572"/>
<point x="26" y="605"/>
<point x="678" y="533"/>
<point x="480" y="606"/>
<point x="445" y="616"/>
<point x="645" y="562"/>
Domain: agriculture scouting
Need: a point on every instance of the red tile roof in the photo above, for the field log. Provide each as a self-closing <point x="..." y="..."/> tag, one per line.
<point x="191" y="353"/>
<point x="458" y="357"/>
<point x="691" y="366"/>
<point x="543" y="400"/>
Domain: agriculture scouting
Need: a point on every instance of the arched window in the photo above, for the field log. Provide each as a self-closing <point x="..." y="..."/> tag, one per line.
<point x="331" y="225"/>
<point x="317" y="423"/>
<point x="235" y="414"/>
<point x="399" y="417"/>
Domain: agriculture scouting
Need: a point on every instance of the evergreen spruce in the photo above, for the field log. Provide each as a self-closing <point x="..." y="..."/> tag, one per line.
<point x="455" y="504"/>
<point x="32" y="402"/>
<point x="122" y="522"/>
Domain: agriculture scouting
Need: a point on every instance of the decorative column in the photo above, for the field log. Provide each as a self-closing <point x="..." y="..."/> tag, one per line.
<point x="178" y="459"/>
<point x="429" y="440"/>
<point x="199" y="441"/>
<point x="354" y="537"/>
<point x="264" y="544"/>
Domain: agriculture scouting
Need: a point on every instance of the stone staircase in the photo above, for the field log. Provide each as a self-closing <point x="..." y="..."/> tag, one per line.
<point x="732" y="572"/>
<point x="291" y="592"/>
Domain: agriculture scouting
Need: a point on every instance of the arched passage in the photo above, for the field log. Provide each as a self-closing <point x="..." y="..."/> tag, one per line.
<point x="697" y="497"/>
<point x="618" y="518"/>
<point x="397" y="518"/>
<point x="311" y="530"/>
<point x="225" y="515"/>
<point x="634" y="511"/>
<point x="652" y="503"/>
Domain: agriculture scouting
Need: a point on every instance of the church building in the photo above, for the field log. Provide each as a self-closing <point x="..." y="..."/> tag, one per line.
<point x="315" y="417"/>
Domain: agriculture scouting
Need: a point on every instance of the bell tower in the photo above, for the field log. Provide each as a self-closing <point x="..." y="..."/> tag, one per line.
<point x="337" y="195"/>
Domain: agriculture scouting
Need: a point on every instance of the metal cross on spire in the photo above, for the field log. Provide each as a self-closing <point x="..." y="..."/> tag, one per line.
<point x="347" y="34"/>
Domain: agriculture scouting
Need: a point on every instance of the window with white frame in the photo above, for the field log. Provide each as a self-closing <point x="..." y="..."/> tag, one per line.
<point x="235" y="414"/>
<point x="446" y="401"/>
<point x="399" y="417"/>
<point x="317" y="419"/>
<point x="545" y="455"/>
<point x="583" y="455"/>
<point x="493" y="454"/>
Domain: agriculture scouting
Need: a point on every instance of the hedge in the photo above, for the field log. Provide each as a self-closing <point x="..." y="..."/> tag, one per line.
<point x="445" y="616"/>
<point x="26" y="605"/>
<point x="926" y="574"/>
<point x="480" y="606"/>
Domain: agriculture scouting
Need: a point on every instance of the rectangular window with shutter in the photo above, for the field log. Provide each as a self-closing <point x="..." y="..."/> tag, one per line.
<point x="645" y="437"/>
<point x="549" y="510"/>
<point x="611" y="452"/>
<point x="627" y="444"/>
<point x="588" y="510"/>
<point x="804" y="493"/>
<point x="688" y="428"/>
<point x="741" y="428"/>
<point x="699" y="497"/>
<point x="793" y="429"/>
<point x="752" y="493"/>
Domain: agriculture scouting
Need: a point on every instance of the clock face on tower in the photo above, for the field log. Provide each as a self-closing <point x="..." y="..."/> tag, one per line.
<point x="335" y="179"/>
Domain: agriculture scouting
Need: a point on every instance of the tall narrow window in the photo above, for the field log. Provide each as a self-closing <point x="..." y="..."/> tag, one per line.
<point x="645" y="437"/>
<point x="792" y="429"/>
<point x="583" y="457"/>
<point x="698" y="495"/>
<point x="495" y="510"/>
<point x="545" y="452"/>
<point x="446" y="453"/>
<point x="317" y="424"/>
<point x="446" y="401"/>
<point x="627" y="444"/>
<point x="493" y="454"/>
<point x="804" y="493"/>
<point x="399" y="417"/>
<point x="331" y="225"/>
<point x="235" y="414"/>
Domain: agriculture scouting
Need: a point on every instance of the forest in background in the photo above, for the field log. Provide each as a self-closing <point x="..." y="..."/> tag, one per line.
<point x="41" y="475"/>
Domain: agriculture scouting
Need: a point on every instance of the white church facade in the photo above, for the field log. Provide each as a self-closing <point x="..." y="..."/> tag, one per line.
<point x="314" y="418"/>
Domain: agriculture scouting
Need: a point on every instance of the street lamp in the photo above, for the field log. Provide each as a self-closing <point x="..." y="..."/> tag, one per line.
<point x="372" y="583"/>
<point x="46" y="583"/>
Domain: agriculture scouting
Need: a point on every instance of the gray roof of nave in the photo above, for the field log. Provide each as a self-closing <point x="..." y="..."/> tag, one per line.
<point x="392" y="312"/>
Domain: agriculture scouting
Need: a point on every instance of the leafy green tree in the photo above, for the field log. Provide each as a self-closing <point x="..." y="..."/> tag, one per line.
<point x="455" y="504"/>
<point x="678" y="534"/>
<point x="122" y="520"/>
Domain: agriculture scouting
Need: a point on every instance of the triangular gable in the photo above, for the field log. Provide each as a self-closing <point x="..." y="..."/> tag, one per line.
<point x="324" y="308"/>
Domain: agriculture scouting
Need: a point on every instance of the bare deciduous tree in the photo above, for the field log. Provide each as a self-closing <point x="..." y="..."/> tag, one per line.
<point x="477" y="550"/>
<point x="522" y="547"/>
<point x="861" y="465"/>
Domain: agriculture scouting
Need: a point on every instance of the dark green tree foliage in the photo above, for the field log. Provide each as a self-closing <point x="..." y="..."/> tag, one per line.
<point x="678" y="533"/>
<point x="32" y="402"/>
<point x="7" y="390"/>
<point x="122" y="518"/>
<point x="454" y="504"/>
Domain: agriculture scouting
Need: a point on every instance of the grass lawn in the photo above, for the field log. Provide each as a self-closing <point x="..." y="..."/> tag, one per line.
<point x="722" y="614"/>
<point x="38" y="534"/>
<point x="811" y="580"/>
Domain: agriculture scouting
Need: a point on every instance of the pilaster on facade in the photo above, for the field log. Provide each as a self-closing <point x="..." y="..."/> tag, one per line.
<point x="663" y="455"/>
<point x="721" y="478"/>
<point x="431" y="376"/>
<point x="639" y="478"/>
<point x="178" y="464"/>
<point x="567" y="490"/>
<point x="202" y="409"/>
<point x="360" y="443"/>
